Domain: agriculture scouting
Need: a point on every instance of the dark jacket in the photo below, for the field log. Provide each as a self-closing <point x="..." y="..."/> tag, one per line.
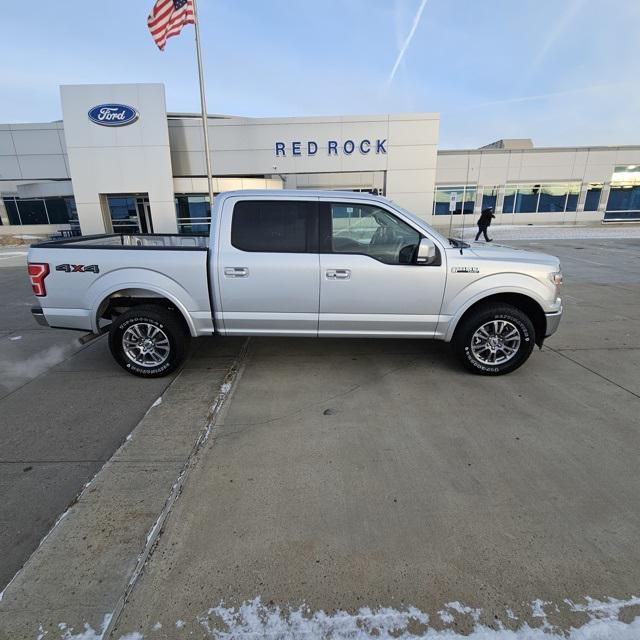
<point x="485" y="218"/>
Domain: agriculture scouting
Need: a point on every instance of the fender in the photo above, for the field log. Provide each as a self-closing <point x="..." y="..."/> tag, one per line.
<point x="139" y="278"/>
<point x="489" y="286"/>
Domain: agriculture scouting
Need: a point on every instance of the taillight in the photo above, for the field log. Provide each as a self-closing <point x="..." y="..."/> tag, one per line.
<point x="38" y="271"/>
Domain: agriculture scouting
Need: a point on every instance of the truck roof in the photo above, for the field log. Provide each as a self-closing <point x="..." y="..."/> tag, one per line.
<point x="302" y="193"/>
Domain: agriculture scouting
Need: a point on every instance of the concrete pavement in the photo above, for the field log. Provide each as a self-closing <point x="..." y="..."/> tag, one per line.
<point x="346" y="474"/>
<point x="64" y="410"/>
<point x="386" y="476"/>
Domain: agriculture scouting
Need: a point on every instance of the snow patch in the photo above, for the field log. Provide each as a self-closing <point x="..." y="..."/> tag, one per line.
<point x="14" y="338"/>
<point x="446" y="617"/>
<point x="157" y="626"/>
<point x="537" y="609"/>
<point x="158" y="402"/>
<point x="180" y="624"/>
<point x="89" y="632"/>
<point x="255" y="620"/>
<point x="460" y="608"/>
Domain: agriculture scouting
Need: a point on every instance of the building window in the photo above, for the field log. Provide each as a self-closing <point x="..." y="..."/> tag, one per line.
<point x="12" y="210"/>
<point x="624" y="194"/>
<point x="509" y="198"/>
<point x="527" y="198"/>
<point x="489" y="197"/>
<point x="21" y="211"/>
<point x="32" y="212"/>
<point x="552" y="197"/>
<point x="193" y="213"/>
<point x="465" y="199"/>
<point x="573" y="195"/>
<point x="624" y="198"/>
<point x="592" y="199"/>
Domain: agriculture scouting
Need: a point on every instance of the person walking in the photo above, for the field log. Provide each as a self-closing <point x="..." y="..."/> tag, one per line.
<point x="484" y="222"/>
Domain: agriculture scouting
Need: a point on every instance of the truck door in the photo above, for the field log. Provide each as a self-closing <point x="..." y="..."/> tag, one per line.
<point x="370" y="284"/>
<point x="268" y="267"/>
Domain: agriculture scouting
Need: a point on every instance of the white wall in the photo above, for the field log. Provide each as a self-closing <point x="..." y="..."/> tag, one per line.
<point x="247" y="146"/>
<point x="127" y="159"/>
<point x="32" y="152"/>
<point x="501" y="167"/>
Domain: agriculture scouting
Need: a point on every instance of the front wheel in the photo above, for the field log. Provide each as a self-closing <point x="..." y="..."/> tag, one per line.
<point x="149" y="341"/>
<point x="494" y="340"/>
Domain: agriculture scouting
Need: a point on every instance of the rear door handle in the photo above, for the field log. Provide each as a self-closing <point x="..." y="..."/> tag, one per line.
<point x="236" y="272"/>
<point x="338" y="274"/>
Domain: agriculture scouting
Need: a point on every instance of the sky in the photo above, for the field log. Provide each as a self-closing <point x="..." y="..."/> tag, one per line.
<point x="562" y="72"/>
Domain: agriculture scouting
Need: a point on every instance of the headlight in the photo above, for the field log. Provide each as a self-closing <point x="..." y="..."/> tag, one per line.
<point x="556" y="278"/>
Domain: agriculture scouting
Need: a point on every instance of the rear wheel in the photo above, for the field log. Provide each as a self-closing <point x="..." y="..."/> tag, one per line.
<point x="494" y="340"/>
<point x="149" y="341"/>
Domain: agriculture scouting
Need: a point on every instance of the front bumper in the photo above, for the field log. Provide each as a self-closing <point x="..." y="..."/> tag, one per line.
<point x="553" y="320"/>
<point x="38" y="315"/>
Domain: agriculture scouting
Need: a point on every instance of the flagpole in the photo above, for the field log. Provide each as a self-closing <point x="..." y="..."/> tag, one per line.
<point x="203" y="106"/>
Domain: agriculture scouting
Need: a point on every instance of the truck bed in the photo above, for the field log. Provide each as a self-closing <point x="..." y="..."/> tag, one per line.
<point x="84" y="273"/>
<point x="129" y="241"/>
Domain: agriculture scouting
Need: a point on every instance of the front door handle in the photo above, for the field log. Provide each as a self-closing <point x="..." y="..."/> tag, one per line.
<point x="338" y="274"/>
<point x="236" y="272"/>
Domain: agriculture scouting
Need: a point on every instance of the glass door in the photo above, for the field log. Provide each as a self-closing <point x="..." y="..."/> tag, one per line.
<point x="130" y="213"/>
<point x="144" y="214"/>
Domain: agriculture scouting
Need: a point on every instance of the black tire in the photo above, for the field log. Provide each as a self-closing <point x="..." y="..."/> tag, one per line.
<point x="169" y="343"/>
<point x="476" y="357"/>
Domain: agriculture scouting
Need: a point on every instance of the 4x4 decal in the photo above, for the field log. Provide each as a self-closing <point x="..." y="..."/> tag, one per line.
<point x="78" y="268"/>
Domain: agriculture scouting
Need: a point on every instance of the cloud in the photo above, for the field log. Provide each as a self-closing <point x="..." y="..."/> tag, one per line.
<point x="407" y="41"/>
<point x="596" y="88"/>
<point x="554" y="34"/>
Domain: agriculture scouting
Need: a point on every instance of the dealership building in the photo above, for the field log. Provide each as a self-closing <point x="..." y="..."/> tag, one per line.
<point x="118" y="162"/>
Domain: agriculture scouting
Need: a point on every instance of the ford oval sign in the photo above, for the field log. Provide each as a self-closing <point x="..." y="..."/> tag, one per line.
<point x="113" y="115"/>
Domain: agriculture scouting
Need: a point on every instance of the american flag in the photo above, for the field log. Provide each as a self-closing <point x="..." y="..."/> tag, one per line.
<point x="167" y="19"/>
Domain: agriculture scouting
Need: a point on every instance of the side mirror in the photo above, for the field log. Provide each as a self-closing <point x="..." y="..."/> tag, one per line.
<point x="427" y="252"/>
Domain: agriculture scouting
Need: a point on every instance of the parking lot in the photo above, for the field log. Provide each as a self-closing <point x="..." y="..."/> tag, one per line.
<point x="65" y="408"/>
<point x="361" y="473"/>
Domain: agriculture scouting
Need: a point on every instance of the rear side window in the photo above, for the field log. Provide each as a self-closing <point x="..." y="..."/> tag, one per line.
<point x="275" y="226"/>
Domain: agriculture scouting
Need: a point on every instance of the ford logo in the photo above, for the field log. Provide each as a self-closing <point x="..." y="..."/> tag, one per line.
<point x="113" y="115"/>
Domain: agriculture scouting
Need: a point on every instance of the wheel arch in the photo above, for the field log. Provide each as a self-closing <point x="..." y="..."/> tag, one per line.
<point x="117" y="301"/>
<point x="521" y="301"/>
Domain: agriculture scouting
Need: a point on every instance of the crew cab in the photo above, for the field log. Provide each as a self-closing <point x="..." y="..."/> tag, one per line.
<point x="298" y="263"/>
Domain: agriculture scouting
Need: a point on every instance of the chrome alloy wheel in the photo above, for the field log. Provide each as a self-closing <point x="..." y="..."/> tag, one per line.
<point x="146" y="344"/>
<point x="495" y="342"/>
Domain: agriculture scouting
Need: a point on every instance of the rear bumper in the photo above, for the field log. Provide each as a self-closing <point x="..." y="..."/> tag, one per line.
<point x="553" y="320"/>
<point x="38" y="316"/>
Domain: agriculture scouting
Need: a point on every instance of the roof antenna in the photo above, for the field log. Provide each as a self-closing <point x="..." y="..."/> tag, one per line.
<point x="464" y="202"/>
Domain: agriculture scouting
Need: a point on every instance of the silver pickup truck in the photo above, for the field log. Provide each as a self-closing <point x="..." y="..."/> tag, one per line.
<point x="298" y="263"/>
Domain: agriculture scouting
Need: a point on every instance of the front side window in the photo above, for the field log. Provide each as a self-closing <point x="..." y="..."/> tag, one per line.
<point x="279" y="226"/>
<point x="371" y="231"/>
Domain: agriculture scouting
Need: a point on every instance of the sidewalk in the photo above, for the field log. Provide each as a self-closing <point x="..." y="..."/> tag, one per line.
<point x="549" y="232"/>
